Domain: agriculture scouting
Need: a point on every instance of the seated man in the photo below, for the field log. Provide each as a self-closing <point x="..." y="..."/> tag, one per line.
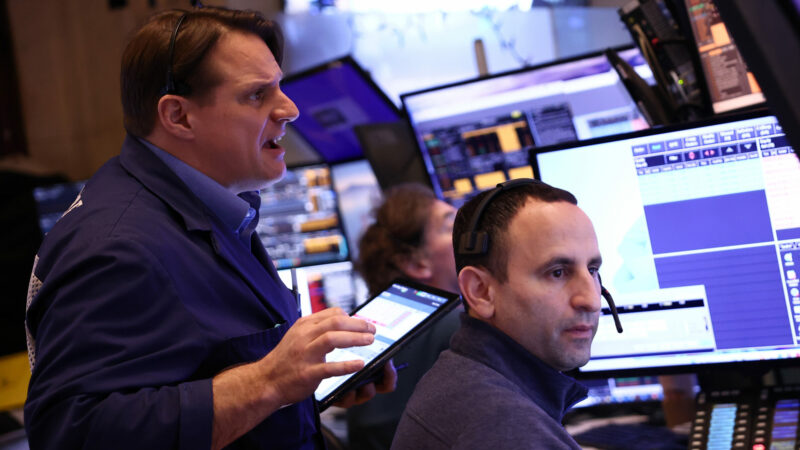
<point x="527" y="260"/>
<point x="411" y="237"/>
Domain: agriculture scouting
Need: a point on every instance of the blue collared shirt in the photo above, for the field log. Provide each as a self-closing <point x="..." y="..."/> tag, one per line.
<point x="239" y="213"/>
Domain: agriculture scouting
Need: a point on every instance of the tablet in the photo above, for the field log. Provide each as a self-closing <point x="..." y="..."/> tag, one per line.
<point x="399" y="312"/>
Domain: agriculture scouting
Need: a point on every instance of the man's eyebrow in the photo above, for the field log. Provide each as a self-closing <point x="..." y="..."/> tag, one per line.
<point x="567" y="261"/>
<point x="559" y="261"/>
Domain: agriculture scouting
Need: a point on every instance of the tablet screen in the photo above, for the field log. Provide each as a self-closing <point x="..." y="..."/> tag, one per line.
<point x="398" y="313"/>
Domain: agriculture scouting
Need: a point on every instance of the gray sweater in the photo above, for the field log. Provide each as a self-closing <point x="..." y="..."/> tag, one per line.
<point x="488" y="392"/>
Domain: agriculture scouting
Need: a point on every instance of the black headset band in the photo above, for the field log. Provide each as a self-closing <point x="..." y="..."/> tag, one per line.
<point x="170" y="88"/>
<point x="473" y="242"/>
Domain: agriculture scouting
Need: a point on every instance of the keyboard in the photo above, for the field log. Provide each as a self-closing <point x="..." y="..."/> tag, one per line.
<point x="630" y="437"/>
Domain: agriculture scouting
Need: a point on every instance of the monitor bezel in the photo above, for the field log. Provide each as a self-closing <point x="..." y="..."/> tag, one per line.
<point x="748" y="367"/>
<point x="350" y="61"/>
<point x="421" y="152"/>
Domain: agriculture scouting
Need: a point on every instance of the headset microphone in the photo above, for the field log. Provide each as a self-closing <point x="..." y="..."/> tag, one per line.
<point x="474" y="242"/>
<point x="613" y="307"/>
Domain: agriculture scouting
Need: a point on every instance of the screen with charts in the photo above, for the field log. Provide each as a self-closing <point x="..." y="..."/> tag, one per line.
<point x="395" y="312"/>
<point x="605" y="391"/>
<point x="358" y="193"/>
<point x="699" y="231"/>
<point x="53" y="201"/>
<point x="333" y="98"/>
<point x="325" y="286"/>
<point x="730" y="84"/>
<point x="475" y="134"/>
<point x="299" y="220"/>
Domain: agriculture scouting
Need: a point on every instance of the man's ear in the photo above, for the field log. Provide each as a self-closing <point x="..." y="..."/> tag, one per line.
<point x="172" y="115"/>
<point x="475" y="284"/>
<point x="415" y="266"/>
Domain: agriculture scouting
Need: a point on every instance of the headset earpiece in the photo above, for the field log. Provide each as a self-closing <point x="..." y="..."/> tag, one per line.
<point x="474" y="242"/>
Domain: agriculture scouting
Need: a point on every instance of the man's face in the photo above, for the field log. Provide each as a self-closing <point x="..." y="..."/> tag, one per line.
<point x="237" y="123"/>
<point x="438" y="246"/>
<point x="551" y="301"/>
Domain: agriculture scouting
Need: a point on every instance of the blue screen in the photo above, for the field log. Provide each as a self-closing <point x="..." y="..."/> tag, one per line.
<point x="332" y="99"/>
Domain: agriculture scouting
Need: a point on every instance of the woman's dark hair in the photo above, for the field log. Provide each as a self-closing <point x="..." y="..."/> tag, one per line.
<point x="397" y="233"/>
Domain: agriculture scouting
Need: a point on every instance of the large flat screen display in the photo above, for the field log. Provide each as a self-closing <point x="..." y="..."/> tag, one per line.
<point x="333" y="98"/>
<point x="477" y="133"/>
<point x="699" y="230"/>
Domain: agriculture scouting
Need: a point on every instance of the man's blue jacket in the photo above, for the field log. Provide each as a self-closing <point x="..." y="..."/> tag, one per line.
<point x="139" y="296"/>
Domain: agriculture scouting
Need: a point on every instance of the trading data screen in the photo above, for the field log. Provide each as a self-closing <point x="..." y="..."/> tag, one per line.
<point x="358" y="194"/>
<point x="53" y="201"/>
<point x="476" y="134"/>
<point x="299" y="220"/>
<point x="731" y="85"/>
<point x="700" y="236"/>
<point x="621" y="390"/>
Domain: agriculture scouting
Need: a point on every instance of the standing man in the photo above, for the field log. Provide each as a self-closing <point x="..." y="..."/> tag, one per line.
<point x="155" y="318"/>
<point x="527" y="261"/>
<point x="411" y="237"/>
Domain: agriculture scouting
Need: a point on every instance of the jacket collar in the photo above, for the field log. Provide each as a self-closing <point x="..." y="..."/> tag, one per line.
<point x="146" y="167"/>
<point x="553" y="391"/>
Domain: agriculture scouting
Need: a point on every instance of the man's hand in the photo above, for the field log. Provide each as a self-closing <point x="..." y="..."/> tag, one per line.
<point x="387" y="383"/>
<point x="296" y="366"/>
<point x="245" y="395"/>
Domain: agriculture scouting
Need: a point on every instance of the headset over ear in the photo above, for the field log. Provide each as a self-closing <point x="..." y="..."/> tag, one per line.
<point x="474" y="242"/>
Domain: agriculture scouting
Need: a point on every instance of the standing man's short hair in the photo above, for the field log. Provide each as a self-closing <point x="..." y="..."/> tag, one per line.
<point x="146" y="59"/>
<point x="495" y="221"/>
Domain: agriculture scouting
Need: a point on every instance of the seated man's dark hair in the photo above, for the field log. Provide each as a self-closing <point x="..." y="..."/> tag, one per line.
<point x="495" y="221"/>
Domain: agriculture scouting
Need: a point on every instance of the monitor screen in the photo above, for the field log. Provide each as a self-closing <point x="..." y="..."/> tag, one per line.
<point x="324" y="286"/>
<point x="299" y="220"/>
<point x="699" y="231"/>
<point x="392" y="153"/>
<point x="605" y="391"/>
<point x="730" y="84"/>
<point x="53" y="201"/>
<point x="358" y="194"/>
<point x="477" y="133"/>
<point x="332" y="99"/>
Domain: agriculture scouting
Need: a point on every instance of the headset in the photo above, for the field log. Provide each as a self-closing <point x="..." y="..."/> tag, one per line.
<point x="173" y="87"/>
<point x="474" y="242"/>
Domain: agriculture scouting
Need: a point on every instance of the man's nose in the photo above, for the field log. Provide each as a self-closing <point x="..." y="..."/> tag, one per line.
<point x="287" y="111"/>
<point x="586" y="294"/>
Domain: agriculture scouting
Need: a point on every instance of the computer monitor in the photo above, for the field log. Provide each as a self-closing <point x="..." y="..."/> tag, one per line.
<point x="391" y="150"/>
<point x="477" y="133"/>
<point x="325" y="286"/>
<point x="54" y="200"/>
<point x="768" y="36"/>
<point x="299" y="220"/>
<point x="333" y="98"/>
<point x="358" y="193"/>
<point x="731" y="84"/>
<point x="612" y="391"/>
<point x="699" y="231"/>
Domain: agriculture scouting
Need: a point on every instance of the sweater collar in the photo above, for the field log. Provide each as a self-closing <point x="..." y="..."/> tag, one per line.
<point x="553" y="391"/>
